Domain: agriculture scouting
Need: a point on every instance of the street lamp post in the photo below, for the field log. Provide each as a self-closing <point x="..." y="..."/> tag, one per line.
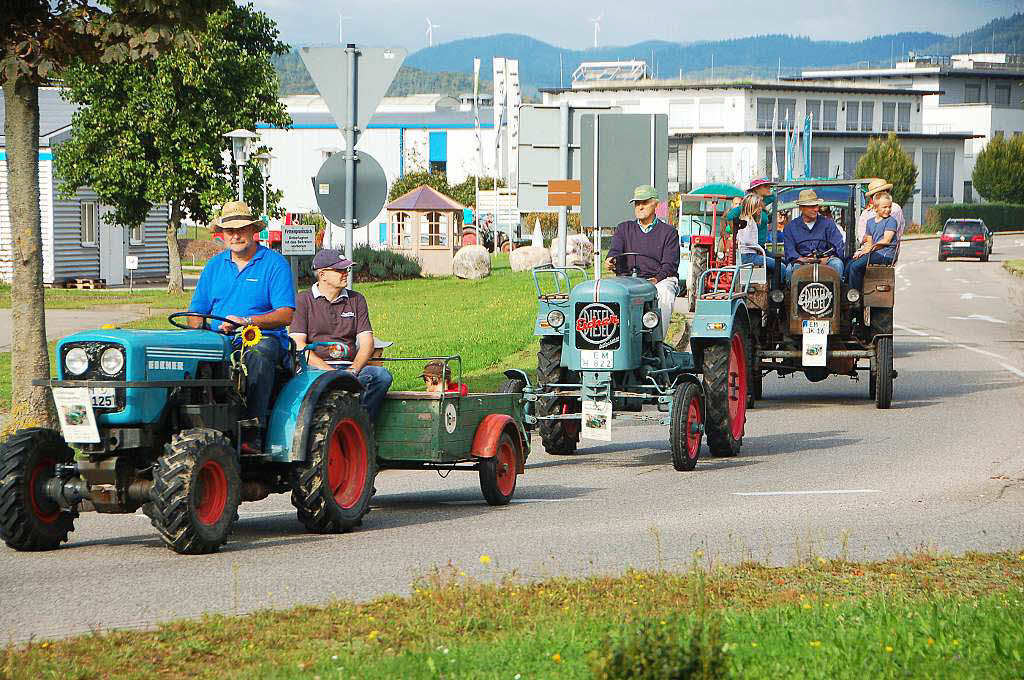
<point x="264" y="160"/>
<point x="241" y="147"/>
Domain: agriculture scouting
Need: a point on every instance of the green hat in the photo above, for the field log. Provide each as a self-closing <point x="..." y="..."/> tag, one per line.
<point x="644" y="192"/>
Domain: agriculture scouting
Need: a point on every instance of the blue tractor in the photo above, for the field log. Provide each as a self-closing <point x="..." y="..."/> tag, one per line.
<point x="603" y="358"/>
<point x="157" y="417"/>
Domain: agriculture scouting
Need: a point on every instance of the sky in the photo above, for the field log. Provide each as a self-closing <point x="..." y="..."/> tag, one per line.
<point x="403" y="23"/>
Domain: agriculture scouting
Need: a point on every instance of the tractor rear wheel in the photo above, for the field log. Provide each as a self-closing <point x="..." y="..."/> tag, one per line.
<point x="699" y="256"/>
<point x="560" y="437"/>
<point x="332" y="489"/>
<point x="725" y="390"/>
<point x="498" y="473"/>
<point x="883" y="375"/>
<point x="28" y="519"/>
<point x="196" y="491"/>
<point x="686" y="427"/>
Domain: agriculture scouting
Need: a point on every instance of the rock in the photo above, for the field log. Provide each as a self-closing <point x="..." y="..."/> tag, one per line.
<point x="579" y="254"/>
<point x="528" y="257"/>
<point x="472" y="262"/>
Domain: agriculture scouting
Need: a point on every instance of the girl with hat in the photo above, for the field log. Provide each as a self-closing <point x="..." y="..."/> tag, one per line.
<point x="752" y="214"/>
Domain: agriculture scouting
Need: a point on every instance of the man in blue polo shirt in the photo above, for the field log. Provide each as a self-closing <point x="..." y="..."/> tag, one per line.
<point x="810" y="233"/>
<point x="249" y="285"/>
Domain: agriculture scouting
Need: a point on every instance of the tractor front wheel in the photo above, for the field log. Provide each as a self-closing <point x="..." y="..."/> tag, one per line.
<point x="686" y="427"/>
<point x="883" y="374"/>
<point x="196" y="491"/>
<point x="333" y="488"/>
<point x="725" y="390"/>
<point x="28" y="519"/>
<point x="560" y="437"/>
<point x="498" y="473"/>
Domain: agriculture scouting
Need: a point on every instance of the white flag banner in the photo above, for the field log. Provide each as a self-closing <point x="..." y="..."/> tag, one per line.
<point x="476" y="117"/>
<point x="499" y="109"/>
<point x="513" y="99"/>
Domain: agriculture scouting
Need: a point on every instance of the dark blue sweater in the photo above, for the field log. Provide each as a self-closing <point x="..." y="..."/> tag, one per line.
<point x="797" y="233"/>
<point x="660" y="246"/>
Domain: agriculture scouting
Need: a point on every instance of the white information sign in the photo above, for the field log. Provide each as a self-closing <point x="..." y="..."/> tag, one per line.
<point x="597" y="420"/>
<point x="815" y="346"/>
<point x="131" y="262"/>
<point x="74" y="411"/>
<point x="298" y="239"/>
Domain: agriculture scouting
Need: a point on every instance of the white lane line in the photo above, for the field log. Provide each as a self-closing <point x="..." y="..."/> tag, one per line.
<point x="1013" y="369"/>
<point x="910" y="330"/>
<point x="935" y="337"/>
<point x="826" y="492"/>
<point x="977" y="317"/>
<point x="981" y="351"/>
<point x="972" y="296"/>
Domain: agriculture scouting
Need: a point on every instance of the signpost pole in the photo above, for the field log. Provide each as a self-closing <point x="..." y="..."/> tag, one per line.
<point x="563" y="168"/>
<point x="350" y="149"/>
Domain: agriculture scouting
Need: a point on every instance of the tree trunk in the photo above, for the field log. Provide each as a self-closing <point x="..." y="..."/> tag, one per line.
<point x="174" y="279"/>
<point x="29" y="356"/>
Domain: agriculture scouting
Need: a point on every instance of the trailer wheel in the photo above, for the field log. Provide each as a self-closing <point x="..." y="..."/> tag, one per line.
<point x="560" y="437"/>
<point x="332" y="489"/>
<point x="883" y="376"/>
<point x="196" y="491"/>
<point x="699" y="256"/>
<point x="29" y="520"/>
<point x="725" y="390"/>
<point x="498" y="473"/>
<point x="686" y="427"/>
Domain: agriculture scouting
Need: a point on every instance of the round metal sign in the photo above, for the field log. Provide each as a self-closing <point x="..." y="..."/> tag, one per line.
<point x="371" y="188"/>
<point x="451" y="418"/>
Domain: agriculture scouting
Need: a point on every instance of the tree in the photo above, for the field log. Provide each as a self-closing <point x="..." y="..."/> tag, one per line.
<point x="464" y="192"/>
<point x="153" y="132"/>
<point x="39" y="38"/>
<point x="886" y="158"/>
<point x="999" y="170"/>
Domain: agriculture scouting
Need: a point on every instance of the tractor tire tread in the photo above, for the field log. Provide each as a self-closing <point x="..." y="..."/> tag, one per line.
<point x="558" y="441"/>
<point x="16" y="527"/>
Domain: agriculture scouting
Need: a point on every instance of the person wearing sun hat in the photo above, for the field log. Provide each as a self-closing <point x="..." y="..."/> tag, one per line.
<point x="876" y="189"/>
<point x="657" y="244"/>
<point x="812" y="232"/>
<point x="762" y="187"/>
<point x="250" y="285"/>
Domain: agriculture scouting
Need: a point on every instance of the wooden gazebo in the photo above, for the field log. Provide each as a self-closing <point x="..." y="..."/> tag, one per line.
<point x="426" y="225"/>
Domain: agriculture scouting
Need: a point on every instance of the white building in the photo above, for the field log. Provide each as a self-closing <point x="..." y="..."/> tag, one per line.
<point x="979" y="93"/>
<point x="406" y="134"/>
<point x="722" y="131"/>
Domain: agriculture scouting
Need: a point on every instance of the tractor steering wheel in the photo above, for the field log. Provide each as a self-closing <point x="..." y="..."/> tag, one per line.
<point x="815" y="248"/>
<point x="621" y="271"/>
<point x="173" y="320"/>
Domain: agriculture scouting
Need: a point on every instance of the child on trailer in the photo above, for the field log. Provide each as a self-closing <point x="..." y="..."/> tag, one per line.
<point x="436" y="373"/>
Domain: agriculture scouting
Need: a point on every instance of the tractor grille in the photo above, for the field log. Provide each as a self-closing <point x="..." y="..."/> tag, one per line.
<point x="815" y="299"/>
<point x="598" y="325"/>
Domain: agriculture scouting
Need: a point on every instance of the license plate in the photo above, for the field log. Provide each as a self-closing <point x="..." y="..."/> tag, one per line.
<point x="596" y="359"/>
<point x="815" y="327"/>
<point x="102" y="397"/>
<point x="960" y="244"/>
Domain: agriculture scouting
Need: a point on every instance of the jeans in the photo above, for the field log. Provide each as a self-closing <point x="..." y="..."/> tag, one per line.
<point x="375" y="381"/>
<point x="860" y="265"/>
<point x="834" y="262"/>
<point x="261" y="363"/>
<point x="758" y="260"/>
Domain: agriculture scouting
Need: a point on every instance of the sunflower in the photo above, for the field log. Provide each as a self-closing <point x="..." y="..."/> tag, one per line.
<point x="251" y="336"/>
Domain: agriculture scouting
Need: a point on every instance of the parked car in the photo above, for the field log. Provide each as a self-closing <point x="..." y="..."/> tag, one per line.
<point x="965" y="238"/>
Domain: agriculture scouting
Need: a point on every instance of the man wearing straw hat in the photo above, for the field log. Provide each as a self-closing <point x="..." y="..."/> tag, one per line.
<point x="811" y="232"/>
<point x="251" y="286"/>
<point x="879" y="188"/>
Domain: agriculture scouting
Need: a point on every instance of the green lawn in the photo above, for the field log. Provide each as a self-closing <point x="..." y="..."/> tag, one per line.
<point x="924" y="616"/>
<point x="1014" y="267"/>
<point x="60" y="298"/>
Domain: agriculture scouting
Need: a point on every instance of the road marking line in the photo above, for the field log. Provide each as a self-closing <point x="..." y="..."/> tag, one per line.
<point x="910" y="330"/>
<point x="804" y="493"/>
<point x="935" y="337"/>
<point x="977" y="317"/>
<point x="1013" y="369"/>
<point x="981" y="351"/>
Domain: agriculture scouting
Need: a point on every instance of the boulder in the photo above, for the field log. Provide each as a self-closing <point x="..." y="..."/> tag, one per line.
<point x="472" y="262"/>
<point x="528" y="257"/>
<point x="580" y="252"/>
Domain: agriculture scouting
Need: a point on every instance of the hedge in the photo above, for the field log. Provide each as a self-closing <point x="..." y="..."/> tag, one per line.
<point x="997" y="216"/>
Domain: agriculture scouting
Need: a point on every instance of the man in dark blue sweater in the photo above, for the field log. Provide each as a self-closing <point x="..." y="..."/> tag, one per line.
<point x="658" y="246"/>
<point x="810" y="233"/>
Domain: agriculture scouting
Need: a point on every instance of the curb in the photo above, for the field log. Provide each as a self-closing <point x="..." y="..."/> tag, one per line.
<point x="1017" y="271"/>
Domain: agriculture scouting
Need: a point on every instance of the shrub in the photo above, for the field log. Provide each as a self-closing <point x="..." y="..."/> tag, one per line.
<point x="997" y="216"/>
<point x="886" y="158"/>
<point x="384" y="265"/>
<point x="657" y="650"/>
<point x="548" y="224"/>
<point x="999" y="170"/>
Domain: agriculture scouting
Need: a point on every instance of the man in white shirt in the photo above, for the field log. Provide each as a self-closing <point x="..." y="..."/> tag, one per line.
<point x="876" y="187"/>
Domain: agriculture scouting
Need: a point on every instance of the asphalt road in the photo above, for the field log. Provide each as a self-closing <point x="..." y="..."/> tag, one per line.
<point x="822" y="472"/>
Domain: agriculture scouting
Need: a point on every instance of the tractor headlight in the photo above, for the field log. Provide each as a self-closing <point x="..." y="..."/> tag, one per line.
<point x="112" y="361"/>
<point x="853" y="295"/>
<point x="650" y="320"/>
<point x="777" y="296"/>
<point x="556" y="318"/>
<point x="76" y="361"/>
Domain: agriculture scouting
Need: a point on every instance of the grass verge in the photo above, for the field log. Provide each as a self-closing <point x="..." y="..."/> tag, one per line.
<point x="1015" y="267"/>
<point x="922" y="616"/>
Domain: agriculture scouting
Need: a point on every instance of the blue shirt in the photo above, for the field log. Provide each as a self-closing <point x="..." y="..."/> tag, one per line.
<point x="876" y="229"/>
<point x="263" y="285"/>
<point x="824" y="229"/>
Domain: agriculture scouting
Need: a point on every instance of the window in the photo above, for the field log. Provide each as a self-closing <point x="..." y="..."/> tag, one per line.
<point x="851" y="155"/>
<point x="929" y="163"/>
<point x="888" y="116"/>
<point x="681" y="114"/>
<point x="765" y="112"/>
<point x="136" y="234"/>
<point x="814" y="111"/>
<point x="946" y="177"/>
<point x="968" y="192"/>
<point x="780" y="160"/>
<point x="829" y="114"/>
<point x="819" y="163"/>
<point x="437" y="167"/>
<point x="787" y="111"/>
<point x="903" y="117"/>
<point x="867" y="116"/>
<point x="711" y="113"/>
<point x="434" y="230"/>
<point x="972" y="94"/>
<point x="852" y="115"/>
<point x="719" y="165"/>
<point x="90" y="220"/>
<point x="400" y="233"/>
<point x="1002" y="95"/>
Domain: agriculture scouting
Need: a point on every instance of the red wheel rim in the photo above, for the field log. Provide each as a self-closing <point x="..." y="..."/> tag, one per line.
<point x="571" y="426"/>
<point x="213" y="492"/>
<point x="737" y="387"/>
<point x="43" y="467"/>
<point x="693" y="431"/>
<point x="506" y="468"/>
<point x="346" y="463"/>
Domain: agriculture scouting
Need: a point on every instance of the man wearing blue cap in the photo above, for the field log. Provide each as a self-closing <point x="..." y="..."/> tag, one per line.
<point x="330" y="312"/>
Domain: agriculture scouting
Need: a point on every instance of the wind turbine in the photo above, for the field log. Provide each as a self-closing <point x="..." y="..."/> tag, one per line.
<point x="430" y="32"/>
<point x="597" y="26"/>
<point x="342" y="18"/>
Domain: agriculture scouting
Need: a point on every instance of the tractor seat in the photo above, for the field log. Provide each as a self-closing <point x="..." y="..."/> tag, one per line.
<point x="715" y="296"/>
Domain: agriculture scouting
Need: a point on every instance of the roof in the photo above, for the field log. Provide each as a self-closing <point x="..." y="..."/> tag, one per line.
<point x="733" y="85"/>
<point x="54" y="114"/>
<point x="424" y="198"/>
<point x="835" y="133"/>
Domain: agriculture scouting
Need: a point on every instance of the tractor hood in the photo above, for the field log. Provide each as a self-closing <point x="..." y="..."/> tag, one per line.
<point x="148" y="355"/>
